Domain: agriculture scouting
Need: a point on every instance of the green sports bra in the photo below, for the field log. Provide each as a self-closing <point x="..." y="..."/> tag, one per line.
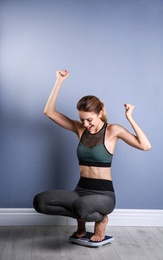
<point x="91" y="150"/>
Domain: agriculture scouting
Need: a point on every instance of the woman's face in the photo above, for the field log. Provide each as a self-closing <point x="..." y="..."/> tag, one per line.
<point x="91" y="121"/>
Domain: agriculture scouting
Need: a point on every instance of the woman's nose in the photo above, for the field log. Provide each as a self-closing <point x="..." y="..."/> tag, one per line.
<point x="85" y="123"/>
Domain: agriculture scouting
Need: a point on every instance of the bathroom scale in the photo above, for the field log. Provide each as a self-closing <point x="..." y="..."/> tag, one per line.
<point x="85" y="241"/>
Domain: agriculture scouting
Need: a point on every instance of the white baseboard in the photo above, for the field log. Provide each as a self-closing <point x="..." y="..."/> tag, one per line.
<point x="119" y="217"/>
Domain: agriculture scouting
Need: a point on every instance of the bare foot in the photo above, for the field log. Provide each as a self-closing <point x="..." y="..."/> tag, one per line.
<point x="99" y="230"/>
<point x="81" y="230"/>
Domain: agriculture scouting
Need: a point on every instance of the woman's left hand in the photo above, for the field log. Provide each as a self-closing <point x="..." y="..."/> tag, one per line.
<point x="129" y="109"/>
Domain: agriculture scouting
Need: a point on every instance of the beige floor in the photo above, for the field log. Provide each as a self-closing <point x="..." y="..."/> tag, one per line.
<point x="51" y="242"/>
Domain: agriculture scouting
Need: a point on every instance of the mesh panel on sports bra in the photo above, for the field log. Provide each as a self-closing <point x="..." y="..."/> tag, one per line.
<point x="90" y="140"/>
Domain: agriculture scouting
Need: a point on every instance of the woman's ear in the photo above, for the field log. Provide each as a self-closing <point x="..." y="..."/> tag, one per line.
<point x="100" y="114"/>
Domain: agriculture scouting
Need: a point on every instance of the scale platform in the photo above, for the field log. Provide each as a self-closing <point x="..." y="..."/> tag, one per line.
<point x="85" y="241"/>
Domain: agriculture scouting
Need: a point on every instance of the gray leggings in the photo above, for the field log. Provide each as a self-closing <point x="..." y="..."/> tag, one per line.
<point x="84" y="204"/>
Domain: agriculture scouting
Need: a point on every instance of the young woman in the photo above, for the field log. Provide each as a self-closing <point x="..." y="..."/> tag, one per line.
<point x="93" y="198"/>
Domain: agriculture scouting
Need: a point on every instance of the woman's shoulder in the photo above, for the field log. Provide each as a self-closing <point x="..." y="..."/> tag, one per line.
<point x="79" y="128"/>
<point x="114" y="128"/>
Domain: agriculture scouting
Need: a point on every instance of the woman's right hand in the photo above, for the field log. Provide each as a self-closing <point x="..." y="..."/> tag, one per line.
<point x="62" y="75"/>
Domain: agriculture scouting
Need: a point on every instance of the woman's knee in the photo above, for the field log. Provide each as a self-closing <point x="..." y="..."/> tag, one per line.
<point x="46" y="202"/>
<point x="37" y="203"/>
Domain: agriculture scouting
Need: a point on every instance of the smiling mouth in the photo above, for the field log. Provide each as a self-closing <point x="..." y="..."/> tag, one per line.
<point x="89" y="128"/>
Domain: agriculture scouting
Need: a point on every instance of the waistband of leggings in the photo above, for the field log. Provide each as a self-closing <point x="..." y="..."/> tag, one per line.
<point x="95" y="184"/>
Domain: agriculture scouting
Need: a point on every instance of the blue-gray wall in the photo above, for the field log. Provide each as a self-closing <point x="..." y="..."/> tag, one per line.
<point x="113" y="49"/>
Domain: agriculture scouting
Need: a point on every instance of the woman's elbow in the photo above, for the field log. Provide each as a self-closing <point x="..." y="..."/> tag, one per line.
<point x="46" y="112"/>
<point x="51" y="113"/>
<point x="147" y="147"/>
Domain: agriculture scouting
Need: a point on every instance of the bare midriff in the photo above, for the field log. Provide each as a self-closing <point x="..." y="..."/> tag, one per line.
<point x="95" y="172"/>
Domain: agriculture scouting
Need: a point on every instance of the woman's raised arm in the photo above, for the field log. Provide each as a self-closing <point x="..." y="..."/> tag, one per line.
<point x="50" y="108"/>
<point x="139" y="140"/>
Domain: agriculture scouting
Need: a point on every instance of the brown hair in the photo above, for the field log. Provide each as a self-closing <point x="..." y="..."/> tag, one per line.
<point x="92" y="104"/>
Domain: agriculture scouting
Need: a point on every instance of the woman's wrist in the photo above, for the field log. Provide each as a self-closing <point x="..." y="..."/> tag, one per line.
<point x="129" y="118"/>
<point x="58" y="82"/>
